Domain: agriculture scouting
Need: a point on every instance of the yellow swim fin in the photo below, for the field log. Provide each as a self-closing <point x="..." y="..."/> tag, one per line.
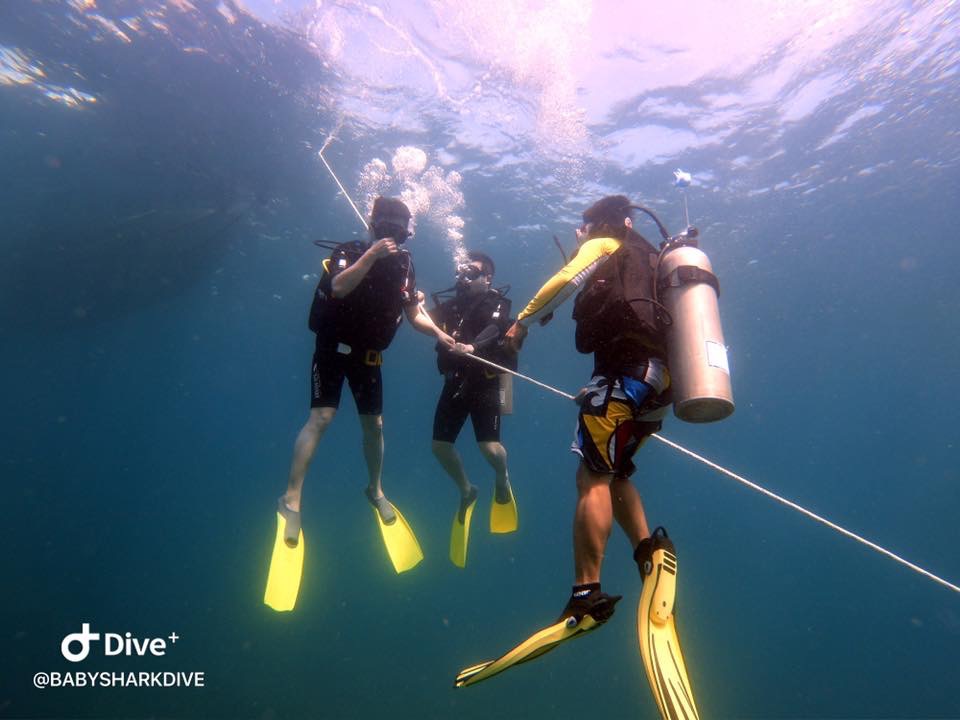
<point x="460" y="533"/>
<point x="533" y="647"/>
<point x="401" y="543"/>
<point x="593" y="611"/>
<point x="657" y="633"/>
<point x="503" y="515"/>
<point x="286" y="567"/>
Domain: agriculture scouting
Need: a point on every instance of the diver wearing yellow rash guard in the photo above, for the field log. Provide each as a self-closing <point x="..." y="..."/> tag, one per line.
<point x="571" y="278"/>
<point x="623" y="350"/>
<point x="620" y="407"/>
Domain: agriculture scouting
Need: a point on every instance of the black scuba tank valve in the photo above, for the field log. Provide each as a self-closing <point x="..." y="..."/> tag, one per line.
<point x="687" y="238"/>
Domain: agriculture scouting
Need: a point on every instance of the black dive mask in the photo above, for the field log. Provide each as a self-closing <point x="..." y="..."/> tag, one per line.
<point x="468" y="272"/>
<point x="391" y="230"/>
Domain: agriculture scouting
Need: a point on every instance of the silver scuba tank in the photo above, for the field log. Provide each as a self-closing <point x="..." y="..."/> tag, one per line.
<point x="506" y="393"/>
<point x="696" y="353"/>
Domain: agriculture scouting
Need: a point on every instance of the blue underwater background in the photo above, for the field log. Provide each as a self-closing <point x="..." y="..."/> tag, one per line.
<point x="161" y="189"/>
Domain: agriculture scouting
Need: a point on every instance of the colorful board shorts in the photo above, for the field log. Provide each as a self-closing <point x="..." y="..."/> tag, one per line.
<point x="617" y="414"/>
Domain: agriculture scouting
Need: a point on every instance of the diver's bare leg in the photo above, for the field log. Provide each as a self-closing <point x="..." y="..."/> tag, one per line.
<point x="628" y="510"/>
<point x="496" y="454"/>
<point x="303" y="450"/>
<point x="372" y="426"/>
<point x="592" y="523"/>
<point x="450" y="461"/>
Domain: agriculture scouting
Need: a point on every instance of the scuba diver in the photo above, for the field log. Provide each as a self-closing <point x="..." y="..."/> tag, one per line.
<point x="620" y="321"/>
<point x="476" y="316"/>
<point x="359" y="303"/>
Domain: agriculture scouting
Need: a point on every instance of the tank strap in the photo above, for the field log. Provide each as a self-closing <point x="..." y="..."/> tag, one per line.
<point x="689" y="275"/>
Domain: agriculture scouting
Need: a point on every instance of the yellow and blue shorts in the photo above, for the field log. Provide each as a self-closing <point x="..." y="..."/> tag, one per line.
<point x="617" y="414"/>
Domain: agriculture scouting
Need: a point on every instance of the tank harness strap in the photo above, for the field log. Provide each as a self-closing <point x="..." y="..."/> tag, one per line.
<point x="373" y="358"/>
<point x="688" y="275"/>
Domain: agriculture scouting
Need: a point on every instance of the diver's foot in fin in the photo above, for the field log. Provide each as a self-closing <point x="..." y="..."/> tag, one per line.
<point x="502" y="493"/>
<point x="588" y="600"/>
<point x="571" y="624"/>
<point x="643" y="554"/>
<point x="465" y="502"/>
<point x="291" y="534"/>
<point x="657" y="631"/>
<point x="286" y="563"/>
<point x="382" y="506"/>
<point x="503" y="509"/>
<point x="460" y="531"/>
<point x="398" y="537"/>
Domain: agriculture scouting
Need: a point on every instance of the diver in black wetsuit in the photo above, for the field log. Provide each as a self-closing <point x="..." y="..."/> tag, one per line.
<point x="477" y="318"/>
<point x="363" y="294"/>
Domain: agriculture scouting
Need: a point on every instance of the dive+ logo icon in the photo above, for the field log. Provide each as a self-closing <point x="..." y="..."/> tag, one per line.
<point x="113" y="644"/>
<point x="83" y="637"/>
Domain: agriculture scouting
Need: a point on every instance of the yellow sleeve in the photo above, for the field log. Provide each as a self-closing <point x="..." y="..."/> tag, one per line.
<point x="571" y="278"/>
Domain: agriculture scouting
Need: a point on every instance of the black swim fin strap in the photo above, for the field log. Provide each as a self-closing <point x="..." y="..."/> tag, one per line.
<point x="585" y="589"/>
<point x="643" y="553"/>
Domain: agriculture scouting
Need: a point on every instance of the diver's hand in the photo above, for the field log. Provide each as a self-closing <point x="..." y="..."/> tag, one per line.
<point x="463" y="349"/>
<point x="382" y="248"/>
<point x="446" y="341"/>
<point x="514" y="337"/>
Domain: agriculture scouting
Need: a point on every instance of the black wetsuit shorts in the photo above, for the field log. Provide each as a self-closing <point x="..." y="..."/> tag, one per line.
<point x="334" y="362"/>
<point x="477" y="396"/>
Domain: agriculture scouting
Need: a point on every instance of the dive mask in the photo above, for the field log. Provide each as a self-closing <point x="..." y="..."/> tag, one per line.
<point x="390" y="230"/>
<point x="468" y="272"/>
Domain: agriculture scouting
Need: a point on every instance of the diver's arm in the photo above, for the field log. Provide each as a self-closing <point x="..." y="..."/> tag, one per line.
<point x="346" y="281"/>
<point x="487" y="336"/>
<point x="570" y="279"/>
<point x="561" y="286"/>
<point x="422" y="322"/>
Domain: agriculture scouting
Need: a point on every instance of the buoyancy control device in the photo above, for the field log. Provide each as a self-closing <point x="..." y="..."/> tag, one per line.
<point x="662" y="298"/>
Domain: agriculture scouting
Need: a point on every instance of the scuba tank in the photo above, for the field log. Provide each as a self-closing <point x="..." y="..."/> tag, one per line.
<point x="505" y="380"/>
<point x="506" y="393"/>
<point x="677" y="303"/>
<point x="696" y="353"/>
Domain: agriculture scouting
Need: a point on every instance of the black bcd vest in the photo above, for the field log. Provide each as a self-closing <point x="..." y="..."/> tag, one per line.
<point x="464" y="318"/>
<point x="618" y="299"/>
<point x="370" y="315"/>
